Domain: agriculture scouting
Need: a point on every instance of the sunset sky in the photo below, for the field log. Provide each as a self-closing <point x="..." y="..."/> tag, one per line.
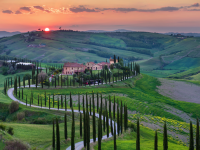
<point x="136" y="15"/>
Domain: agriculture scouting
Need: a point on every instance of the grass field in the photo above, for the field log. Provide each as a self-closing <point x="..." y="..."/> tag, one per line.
<point x="128" y="141"/>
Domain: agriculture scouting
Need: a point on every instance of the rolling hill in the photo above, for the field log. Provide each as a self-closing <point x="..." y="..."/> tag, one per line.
<point x="153" y="51"/>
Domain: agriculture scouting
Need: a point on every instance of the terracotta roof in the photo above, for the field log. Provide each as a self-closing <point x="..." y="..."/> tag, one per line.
<point x="103" y="63"/>
<point x="69" y="64"/>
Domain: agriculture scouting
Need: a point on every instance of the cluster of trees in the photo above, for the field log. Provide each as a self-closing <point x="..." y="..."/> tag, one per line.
<point x="104" y="111"/>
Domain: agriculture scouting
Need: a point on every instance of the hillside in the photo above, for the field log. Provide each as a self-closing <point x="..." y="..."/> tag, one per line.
<point x="152" y="50"/>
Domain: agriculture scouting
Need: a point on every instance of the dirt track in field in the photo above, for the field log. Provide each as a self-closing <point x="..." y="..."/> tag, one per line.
<point x="179" y="90"/>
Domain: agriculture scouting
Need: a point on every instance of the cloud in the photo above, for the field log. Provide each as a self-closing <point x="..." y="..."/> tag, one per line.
<point x="48" y="11"/>
<point x="18" y="12"/>
<point x="195" y="5"/>
<point x="39" y="7"/>
<point x="25" y="8"/>
<point x="82" y="8"/>
<point x="7" y="12"/>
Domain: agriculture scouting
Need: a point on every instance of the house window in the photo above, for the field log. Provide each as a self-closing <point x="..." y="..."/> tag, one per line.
<point x="96" y="68"/>
<point x="72" y="68"/>
<point x="91" y="67"/>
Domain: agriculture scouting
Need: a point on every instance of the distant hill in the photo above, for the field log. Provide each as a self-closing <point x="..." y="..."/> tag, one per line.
<point x="101" y="31"/>
<point x="5" y="33"/>
<point x="185" y="34"/>
<point x="153" y="51"/>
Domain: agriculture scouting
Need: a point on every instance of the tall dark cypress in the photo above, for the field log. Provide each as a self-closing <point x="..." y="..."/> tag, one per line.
<point x="53" y="100"/>
<point x="84" y="127"/>
<point x="88" y="131"/>
<point x="57" y="135"/>
<point x="90" y="106"/>
<point x="104" y="121"/>
<point x="94" y="123"/>
<point x="109" y="106"/>
<point x="19" y="81"/>
<point x="53" y="137"/>
<point x="83" y="102"/>
<point x="22" y="94"/>
<point x="114" y="59"/>
<point x="38" y="100"/>
<point x="197" y="136"/>
<point x="114" y="108"/>
<point x="101" y="102"/>
<point x="81" y="125"/>
<point x="65" y="103"/>
<point x="79" y="102"/>
<point x="121" y="118"/>
<point x="111" y="126"/>
<point x="165" y="142"/>
<point x="138" y="136"/>
<point x="65" y="126"/>
<point x="58" y="103"/>
<point x="115" y="144"/>
<point x="73" y="131"/>
<point x="156" y="141"/>
<point x="45" y="98"/>
<point x="97" y="102"/>
<point x="107" y="123"/>
<point x="70" y="99"/>
<point x="118" y="127"/>
<point x="99" y="132"/>
<point x="191" y="146"/>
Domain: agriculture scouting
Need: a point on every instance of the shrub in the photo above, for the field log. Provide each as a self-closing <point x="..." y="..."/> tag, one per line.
<point x="2" y="127"/>
<point x="131" y="126"/>
<point x="20" y="116"/>
<point x="10" y="130"/>
<point x="27" y="76"/>
<point x="14" y="106"/>
<point x="40" y="120"/>
<point x="42" y="76"/>
<point x="15" y="145"/>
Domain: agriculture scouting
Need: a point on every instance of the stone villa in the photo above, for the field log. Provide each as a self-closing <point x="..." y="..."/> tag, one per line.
<point x="70" y="68"/>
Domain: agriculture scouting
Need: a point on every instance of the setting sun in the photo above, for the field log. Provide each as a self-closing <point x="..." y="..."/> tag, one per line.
<point x="46" y="29"/>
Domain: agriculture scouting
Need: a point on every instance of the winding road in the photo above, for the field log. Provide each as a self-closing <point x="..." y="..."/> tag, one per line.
<point x="79" y="145"/>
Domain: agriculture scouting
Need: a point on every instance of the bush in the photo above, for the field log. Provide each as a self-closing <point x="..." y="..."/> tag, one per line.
<point x="14" y="106"/>
<point x="131" y="126"/>
<point x="40" y="120"/>
<point x="20" y="116"/>
<point x="10" y="130"/>
<point x="15" y="145"/>
<point x="27" y="76"/>
<point x="2" y="127"/>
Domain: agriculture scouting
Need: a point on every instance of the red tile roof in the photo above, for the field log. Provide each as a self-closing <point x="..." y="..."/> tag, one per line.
<point x="69" y="64"/>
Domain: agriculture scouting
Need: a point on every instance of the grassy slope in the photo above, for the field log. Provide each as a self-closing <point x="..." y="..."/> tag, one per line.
<point x="128" y="141"/>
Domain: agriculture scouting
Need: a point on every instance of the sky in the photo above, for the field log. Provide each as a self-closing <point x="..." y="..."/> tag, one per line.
<point x="136" y="15"/>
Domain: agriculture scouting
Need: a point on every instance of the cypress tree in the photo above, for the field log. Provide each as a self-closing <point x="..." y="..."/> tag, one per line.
<point x="101" y="102"/>
<point x="65" y="125"/>
<point x="165" y="142"/>
<point x="38" y="100"/>
<point x="115" y="144"/>
<point x="41" y="101"/>
<point x="97" y="101"/>
<point x="109" y="106"/>
<point x="19" y="93"/>
<point x="86" y="103"/>
<point x="61" y="81"/>
<point x="83" y="102"/>
<point x="114" y="108"/>
<point x="65" y="103"/>
<point x="45" y="97"/>
<point x="84" y="127"/>
<point x="118" y="127"/>
<point x="99" y="133"/>
<point x="114" y="59"/>
<point x="53" y="137"/>
<point x="58" y="104"/>
<point x="111" y="127"/>
<point x="73" y="131"/>
<point x="90" y="106"/>
<point x="138" y="135"/>
<point x="26" y="100"/>
<point x="49" y="102"/>
<point x="197" y="135"/>
<point x="104" y="121"/>
<point x="19" y="81"/>
<point x="121" y="117"/>
<point x="61" y="101"/>
<point x="22" y="94"/>
<point x="57" y="135"/>
<point x="78" y="102"/>
<point x="107" y="123"/>
<point x="81" y="125"/>
<point x="88" y="131"/>
<point x="70" y="99"/>
<point x="191" y="146"/>
<point x="53" y="100"/>
<point x="156" y="141"/>
<point x="94" y="123"/>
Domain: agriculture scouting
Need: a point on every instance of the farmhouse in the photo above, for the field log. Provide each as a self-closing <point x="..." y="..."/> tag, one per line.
<point x="112" y="61"/>
<point x="71" y="68"/>
<point x="89" y="65"/>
